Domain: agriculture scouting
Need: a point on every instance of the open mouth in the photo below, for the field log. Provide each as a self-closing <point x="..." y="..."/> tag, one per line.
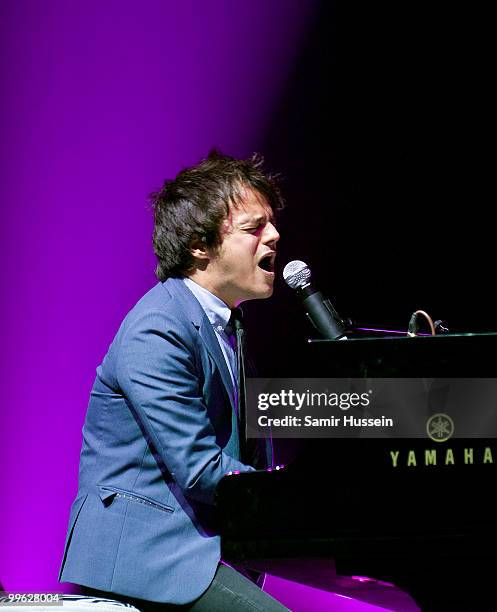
<point x="267" y="263"/>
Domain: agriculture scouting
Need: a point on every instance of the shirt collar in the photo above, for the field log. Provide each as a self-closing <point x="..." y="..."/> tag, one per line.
<point x="216" y="310"/>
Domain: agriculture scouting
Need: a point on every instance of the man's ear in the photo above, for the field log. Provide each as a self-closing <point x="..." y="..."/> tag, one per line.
<point x="199" y="251"/>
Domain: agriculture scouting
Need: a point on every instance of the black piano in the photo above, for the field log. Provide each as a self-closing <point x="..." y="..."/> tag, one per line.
<point x="339" y="508"/>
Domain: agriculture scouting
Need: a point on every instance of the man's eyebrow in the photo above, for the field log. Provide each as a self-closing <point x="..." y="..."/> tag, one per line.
<point x="258" y="219"/>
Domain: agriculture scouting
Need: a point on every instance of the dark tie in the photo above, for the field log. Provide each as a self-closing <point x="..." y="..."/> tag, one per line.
<point x="236" y="323"/>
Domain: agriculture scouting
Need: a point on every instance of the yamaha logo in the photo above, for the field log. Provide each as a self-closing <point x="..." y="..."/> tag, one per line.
<point x="440" y="427"/>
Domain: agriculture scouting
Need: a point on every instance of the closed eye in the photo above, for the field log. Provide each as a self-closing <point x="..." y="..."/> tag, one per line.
<point x="255" y="230"/>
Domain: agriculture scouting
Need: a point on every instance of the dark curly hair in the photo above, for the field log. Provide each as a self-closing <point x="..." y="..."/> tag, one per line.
<point x="191" y="208"/>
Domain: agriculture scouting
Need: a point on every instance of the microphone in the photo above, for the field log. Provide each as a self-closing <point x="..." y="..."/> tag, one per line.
<point x="319" y="310"/>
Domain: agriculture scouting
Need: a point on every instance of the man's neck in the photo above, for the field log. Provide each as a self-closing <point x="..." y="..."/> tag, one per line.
<point x="202" y="279"/>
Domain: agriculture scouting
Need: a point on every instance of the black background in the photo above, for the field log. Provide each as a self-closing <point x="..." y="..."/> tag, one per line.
<point x="385" y="140"/>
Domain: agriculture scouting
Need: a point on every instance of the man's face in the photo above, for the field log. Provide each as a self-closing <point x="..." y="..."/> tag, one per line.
<point x="242" y="268"/>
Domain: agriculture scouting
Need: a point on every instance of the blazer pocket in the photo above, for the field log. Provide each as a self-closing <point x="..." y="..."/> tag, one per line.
<point x="108" y="494"/>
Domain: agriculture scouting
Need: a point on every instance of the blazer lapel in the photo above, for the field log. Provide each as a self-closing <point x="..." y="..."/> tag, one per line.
<point x="211" y="342"/>
<point x="196" y="314"/>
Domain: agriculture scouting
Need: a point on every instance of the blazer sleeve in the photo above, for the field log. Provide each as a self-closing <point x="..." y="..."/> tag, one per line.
<point x="158" y="373"/>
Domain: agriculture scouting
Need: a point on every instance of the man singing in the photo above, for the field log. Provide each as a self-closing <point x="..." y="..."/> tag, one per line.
<point x="162" y="423"/>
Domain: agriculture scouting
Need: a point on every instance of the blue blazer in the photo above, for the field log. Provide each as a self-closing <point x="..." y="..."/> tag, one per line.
<point x="160" y="433"/>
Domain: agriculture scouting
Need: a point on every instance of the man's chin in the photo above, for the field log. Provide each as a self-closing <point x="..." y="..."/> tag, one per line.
<point x="265" y="293"/>
<point x="258" y="295"/>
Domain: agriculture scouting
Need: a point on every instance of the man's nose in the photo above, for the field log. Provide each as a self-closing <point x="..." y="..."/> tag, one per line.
<point x="271" y="233"/>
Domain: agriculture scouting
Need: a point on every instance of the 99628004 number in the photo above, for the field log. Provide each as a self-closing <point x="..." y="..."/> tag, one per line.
<point x="30" y="599"/>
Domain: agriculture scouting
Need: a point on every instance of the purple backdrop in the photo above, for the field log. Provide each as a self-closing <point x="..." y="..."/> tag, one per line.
<point x="101" y="101"/>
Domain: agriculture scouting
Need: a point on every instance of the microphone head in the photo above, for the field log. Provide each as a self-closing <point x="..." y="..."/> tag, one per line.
<point x="296" y="274"/>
